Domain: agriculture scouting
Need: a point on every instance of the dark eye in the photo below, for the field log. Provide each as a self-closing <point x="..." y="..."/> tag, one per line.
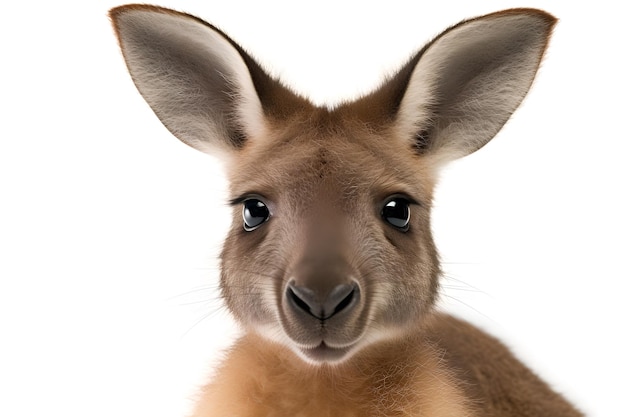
<point x="255" y="213"/>
<point x="397" y="212"/>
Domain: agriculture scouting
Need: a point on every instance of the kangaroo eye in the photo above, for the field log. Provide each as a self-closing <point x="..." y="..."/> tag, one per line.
<point x="255" y="213"/>
<point x="397" y="213"/>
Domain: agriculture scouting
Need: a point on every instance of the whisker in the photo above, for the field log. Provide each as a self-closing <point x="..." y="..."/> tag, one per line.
<point x="201" y="319"/>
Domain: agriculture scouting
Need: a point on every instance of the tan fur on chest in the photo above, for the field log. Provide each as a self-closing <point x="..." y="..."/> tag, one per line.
<point x="262" y="379"/>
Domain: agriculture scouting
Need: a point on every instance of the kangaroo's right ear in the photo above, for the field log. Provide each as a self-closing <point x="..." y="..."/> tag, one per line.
<point x="204" y="88"/>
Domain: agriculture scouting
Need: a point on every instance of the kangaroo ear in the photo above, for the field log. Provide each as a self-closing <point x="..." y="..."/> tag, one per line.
<point x="200" y="84"/>
<point x="464" y="85"/>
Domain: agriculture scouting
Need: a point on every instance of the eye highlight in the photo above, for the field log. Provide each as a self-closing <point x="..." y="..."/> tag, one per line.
<point x="254" y="213"/>
<point x="397" y="212"/>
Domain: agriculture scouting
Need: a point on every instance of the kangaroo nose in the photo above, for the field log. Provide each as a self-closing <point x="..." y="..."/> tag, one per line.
<point x="342" y="297"/>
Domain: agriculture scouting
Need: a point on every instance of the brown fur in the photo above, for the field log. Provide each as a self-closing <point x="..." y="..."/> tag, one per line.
<point x="325" y="176"/>
<point x="402" y="378"/>
<point x="446" y="368"/>
<point x="498" y="383"/>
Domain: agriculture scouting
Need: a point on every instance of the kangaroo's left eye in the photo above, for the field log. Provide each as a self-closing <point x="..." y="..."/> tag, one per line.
<point x="397" y="212"/>
<point x="255" y="213"/>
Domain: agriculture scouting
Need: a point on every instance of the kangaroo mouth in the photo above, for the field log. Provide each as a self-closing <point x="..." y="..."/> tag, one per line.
<point x="323" y="353"/>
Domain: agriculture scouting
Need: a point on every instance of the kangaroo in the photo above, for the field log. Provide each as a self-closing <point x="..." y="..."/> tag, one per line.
<point x="329" y="265"/>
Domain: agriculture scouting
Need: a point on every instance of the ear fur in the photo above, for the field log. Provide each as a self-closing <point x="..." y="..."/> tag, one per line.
<point x="204" y="88"/>
<point x="448" y="101"/>
<point x="467" y="82"/>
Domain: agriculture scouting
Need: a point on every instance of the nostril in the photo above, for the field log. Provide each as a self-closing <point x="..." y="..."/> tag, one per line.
<point x="344" y="300"/>
<point x="342" y="297"/>
<point x="298" y="296"/>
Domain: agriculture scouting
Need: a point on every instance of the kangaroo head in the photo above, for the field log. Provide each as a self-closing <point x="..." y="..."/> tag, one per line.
<point x="330" y="247"/>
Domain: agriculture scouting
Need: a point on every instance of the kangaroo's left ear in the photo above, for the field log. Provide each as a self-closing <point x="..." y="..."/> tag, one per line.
<point x="463" y="86"/>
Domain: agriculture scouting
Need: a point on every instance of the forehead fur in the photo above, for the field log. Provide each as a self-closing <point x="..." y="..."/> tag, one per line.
<point x="324" y="151"/>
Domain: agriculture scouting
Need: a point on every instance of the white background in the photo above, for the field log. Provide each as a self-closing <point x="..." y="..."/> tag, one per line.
<point x="109" y="227"/>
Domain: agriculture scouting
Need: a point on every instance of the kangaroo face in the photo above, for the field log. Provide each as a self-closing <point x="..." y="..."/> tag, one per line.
<point x="330" y="247"/>
<point x="341" y="252"/>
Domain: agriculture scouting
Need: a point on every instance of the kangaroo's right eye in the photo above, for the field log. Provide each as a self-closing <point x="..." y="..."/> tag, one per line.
<point x="255" y="213"/>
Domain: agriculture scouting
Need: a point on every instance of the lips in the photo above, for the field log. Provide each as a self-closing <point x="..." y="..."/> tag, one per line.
<point x="325" y="353"/>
